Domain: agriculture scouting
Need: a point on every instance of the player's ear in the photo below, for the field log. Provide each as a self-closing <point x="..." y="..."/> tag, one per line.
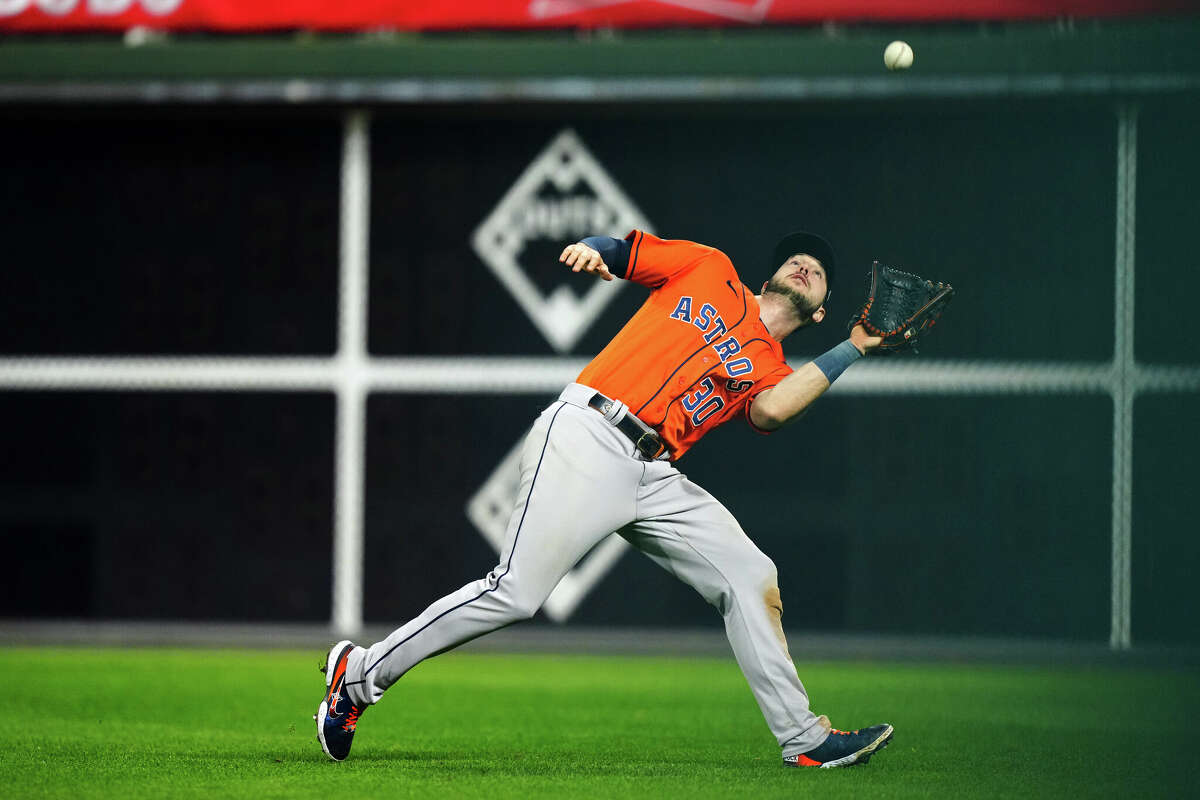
<point x="819" y="314"/>
<point x="764" y="287"/>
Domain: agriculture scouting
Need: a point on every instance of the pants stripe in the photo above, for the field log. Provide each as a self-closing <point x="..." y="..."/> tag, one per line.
<point x="508" y="564"/>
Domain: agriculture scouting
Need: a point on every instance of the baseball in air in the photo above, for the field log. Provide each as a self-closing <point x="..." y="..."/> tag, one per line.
<point x="898" y="55"/>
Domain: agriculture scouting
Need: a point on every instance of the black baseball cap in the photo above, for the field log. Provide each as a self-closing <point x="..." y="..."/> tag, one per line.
<point x="813" y="245"/>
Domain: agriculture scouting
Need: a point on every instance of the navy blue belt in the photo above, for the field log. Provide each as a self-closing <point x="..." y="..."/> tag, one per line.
<point x="644" y="438"/>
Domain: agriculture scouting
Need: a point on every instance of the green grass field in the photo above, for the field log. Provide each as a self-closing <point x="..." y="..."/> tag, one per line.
<point x="214" y="724"/>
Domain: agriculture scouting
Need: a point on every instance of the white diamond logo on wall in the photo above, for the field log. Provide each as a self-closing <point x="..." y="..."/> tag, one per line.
<point x="563" y="196"/>
<point x="489" y="510"/>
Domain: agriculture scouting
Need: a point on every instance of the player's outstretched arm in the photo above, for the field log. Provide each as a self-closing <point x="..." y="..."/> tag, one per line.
<point x="788" y="399"/>
<point x="792" y="396"/>
<point x="582" y="258"/>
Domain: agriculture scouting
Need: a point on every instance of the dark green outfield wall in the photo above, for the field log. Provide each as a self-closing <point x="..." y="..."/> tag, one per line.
<point x="1071" y="48"/>
<point x="182" y="227"/>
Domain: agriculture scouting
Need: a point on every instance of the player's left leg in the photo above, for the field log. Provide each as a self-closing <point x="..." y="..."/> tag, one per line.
<point x="578" y="484"/>
<point x="687" y="531"/>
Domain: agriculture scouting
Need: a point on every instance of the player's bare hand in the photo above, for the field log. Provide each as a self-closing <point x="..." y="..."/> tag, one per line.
<point x="581" y="258"/>
<point x="864" y="341"/>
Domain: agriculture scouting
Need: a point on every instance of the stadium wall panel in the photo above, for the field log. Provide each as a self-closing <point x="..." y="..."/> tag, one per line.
<point x="180" y="231"/>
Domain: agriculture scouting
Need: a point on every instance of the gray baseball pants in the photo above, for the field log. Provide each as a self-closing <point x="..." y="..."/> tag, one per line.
<point x="581" y="479"/>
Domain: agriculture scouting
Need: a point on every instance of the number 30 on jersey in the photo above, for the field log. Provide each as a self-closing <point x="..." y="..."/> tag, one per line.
<point x="702" y="403"/>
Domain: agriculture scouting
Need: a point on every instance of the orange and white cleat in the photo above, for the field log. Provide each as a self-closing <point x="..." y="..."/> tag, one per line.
<point x="337" y="716"/>
<point x="844" y="748"/>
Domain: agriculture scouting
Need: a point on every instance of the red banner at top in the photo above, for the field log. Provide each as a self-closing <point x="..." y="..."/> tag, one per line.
<point x="352" y="15"/>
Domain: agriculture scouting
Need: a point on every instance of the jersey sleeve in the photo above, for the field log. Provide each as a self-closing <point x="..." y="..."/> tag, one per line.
<point x="771" y="378"/>
<point x="654" y="261"/>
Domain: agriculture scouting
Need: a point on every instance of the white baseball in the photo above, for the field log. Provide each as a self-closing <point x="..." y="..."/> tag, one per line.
<point x="898" y="55"/>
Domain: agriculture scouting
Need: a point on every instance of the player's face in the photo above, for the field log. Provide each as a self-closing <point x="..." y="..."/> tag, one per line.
<point x="802" y="281"/>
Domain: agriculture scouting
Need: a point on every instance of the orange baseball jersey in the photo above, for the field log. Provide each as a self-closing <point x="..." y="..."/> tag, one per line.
<point x="695" y="353"/>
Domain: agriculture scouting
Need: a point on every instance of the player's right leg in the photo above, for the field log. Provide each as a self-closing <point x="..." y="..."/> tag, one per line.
<point x="578" y="484"/>
<point x="687" y="531"/>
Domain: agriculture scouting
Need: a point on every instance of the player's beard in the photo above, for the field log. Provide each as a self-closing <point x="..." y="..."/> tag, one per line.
<point x="805" y="307"/>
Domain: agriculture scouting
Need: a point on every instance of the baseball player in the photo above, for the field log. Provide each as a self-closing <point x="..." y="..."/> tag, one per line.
<point x="702" y="350"/>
